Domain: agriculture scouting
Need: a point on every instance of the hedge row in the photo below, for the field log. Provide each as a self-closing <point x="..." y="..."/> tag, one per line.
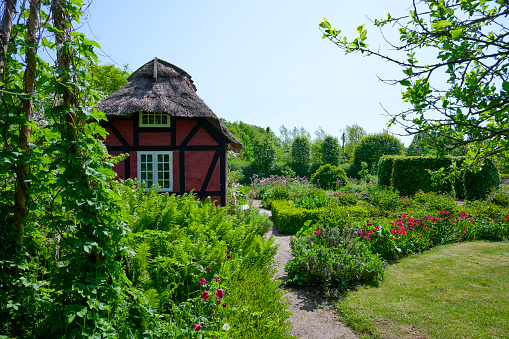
<point x="290" y="219"/>
<point x="409" y="175"/>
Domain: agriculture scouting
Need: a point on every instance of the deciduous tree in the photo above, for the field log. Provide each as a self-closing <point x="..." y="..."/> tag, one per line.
<point x="453" y="55"/>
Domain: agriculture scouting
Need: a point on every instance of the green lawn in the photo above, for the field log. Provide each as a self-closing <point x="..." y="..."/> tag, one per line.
<point x="453" y="291"/>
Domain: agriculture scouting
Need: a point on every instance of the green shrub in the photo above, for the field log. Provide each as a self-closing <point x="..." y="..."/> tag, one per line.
<point x="433" y="203"/>
<point x="385" y="198"/>
<point x="411" y="174"/>
<point x="290" y="219"/>
<point x="372" y="147"/>
<point x="385" y="166"/>
<point x="479" y="184"/>
<point x="333" y="257"/>
<point x="499" y="197"/>
<point x="301" y="153"/>
<point x="265" y="155"/>
<point x="480" y="208"/>
<point x="329" y="177"/>
<point x="345" y="216"/>
<point x="330" y="151"/>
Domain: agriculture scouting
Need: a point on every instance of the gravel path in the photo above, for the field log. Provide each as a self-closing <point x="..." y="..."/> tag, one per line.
<point x="311" y="314"/>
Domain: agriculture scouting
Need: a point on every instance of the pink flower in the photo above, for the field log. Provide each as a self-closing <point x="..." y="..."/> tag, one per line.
<point x="229" y="256"/>
<point x="425" y="227"/>
<point x="437" y="219"/>
<point x="197" y="327"/>
<point x="218" y="279"/>
<point x="227" y="251"/>
<point x="377" y="227"/>
<point x="420" y="234"/>
<point x="505" y="219"/>
<point x="208" y="269"/>
<point x="447" y="212"/>
<point x="337" y="194"/>
<point x="219" y="293"/>
<point x="471" y="220"/>
<point x="403" y="216"/>
<point x="224" y="305"/>
<point x="317" y="232"/>
<point x="441" y="212"/>
<point x="202" y="281"/>
<point x="204" y="295"/>
<point x="324" y="230"/>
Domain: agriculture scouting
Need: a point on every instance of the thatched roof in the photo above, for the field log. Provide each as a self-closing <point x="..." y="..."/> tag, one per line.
<point x="167" y="89"/>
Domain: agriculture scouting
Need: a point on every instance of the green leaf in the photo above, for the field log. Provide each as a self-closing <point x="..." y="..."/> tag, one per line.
<point x="405" y="83"/>
<point x="505" y="86"/>
<point x="456" y="34"/>
<point x="440" y="25"/>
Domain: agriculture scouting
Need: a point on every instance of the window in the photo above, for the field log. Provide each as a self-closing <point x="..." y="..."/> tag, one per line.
<point x="155" y="168"/>
<point x="154" y="119"/>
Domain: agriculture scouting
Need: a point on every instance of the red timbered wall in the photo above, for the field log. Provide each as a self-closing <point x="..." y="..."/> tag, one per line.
<point x="199" y="153"/>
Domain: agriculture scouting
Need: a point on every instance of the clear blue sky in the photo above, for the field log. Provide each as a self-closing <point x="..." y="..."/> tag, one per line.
<point x="262" y="62"/>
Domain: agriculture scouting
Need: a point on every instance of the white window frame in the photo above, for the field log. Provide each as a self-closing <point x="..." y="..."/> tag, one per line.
<point x="155" y="117"/>
<point x="155" y="169"/>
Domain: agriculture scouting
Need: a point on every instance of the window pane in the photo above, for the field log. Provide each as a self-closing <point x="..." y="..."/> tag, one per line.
<point x="165" y="119"/>
<point x="159" y="166"/>
<point x="166" y="158"/>
<point x="160" y="158"/>
<point x="149" y="167"/>
<point x="143" y="176"/>
<point x="166" y="167"/>
<point x="143" y="167"/>
<point x="149" y="157"/>
<point x="150" y="175"/>
<point x="166" y="184"/>
<point x="143" y="158"/>
<point x="151" y="119"/>
<point x="144" y="119"/>
<point x="166" y="175"/>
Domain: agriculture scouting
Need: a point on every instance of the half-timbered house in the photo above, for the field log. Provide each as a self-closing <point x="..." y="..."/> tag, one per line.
<point x="173" y="138"/>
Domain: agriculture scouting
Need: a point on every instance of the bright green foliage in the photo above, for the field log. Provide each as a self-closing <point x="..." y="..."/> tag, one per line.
<point x="423" y="144"/>
<point x="374" y="146"/>
<point x="453" y="55"/>
<point x="385" y="165"/>
<point x="108" y="78"/>
<point x="479" y="184"/>
<point x="330" y="151"/>
<point x="178" y="241"/>
<point x="290" y="219"/>
<point x="335" y="258"/>
<point x="301" y="151"/>
<point x="411" y="174"/>
<point x="329" y="177"/>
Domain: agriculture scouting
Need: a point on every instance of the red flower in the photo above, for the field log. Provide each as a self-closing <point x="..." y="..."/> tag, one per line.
<point x="317" y="232"/>
<point x="217" y="279"/>
<point x="324" y="230"/>
<point x="219" y="293"/>
<point x="208" y="269"/>
<point x="224" y="305"/>
<point x="425" y="227"/>
<point x="420" y="234"/>
<point x="204" y="295"/>
<point x="377" y="227"/>
<point x="202" y="281"/>
<point x="403" y="216"/>
<point x="197" y="327"/>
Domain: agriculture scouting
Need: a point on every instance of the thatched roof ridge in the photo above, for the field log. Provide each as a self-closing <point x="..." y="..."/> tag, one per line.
<point x="167" y="89"/>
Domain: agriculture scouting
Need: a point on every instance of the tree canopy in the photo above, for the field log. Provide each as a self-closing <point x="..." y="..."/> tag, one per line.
<point x="453" y="55"/>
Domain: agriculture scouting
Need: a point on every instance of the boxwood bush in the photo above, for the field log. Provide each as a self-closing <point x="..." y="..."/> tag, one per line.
<point x="290" y="219"/>
<point x="329" y="177"/>
<point x="372" y="147"/>
<point x="385" y="166"/>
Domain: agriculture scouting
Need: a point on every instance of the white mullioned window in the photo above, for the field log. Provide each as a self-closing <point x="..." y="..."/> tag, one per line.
<point x="156" y="169"/>
<point x="148" y="119"/>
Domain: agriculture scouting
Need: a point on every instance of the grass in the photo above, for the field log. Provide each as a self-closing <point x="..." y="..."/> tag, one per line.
<point x="453" y="291"/>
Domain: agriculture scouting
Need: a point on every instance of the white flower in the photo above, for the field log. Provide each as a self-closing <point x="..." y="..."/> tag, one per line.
<point x="226" y="327"/>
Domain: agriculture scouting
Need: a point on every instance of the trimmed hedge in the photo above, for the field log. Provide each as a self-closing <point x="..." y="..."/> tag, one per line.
<point x="479" y="184"/>
<point x="410" y="175"/>
<point x="352" y="170"/>
<point x="290" y="219"/>
<point x="385" y="166"/>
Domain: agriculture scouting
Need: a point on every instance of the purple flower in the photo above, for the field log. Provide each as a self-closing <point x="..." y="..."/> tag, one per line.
<point x="202" y="281"/>
<point x="218" y="279"/>
<point x="197" y="327"/>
